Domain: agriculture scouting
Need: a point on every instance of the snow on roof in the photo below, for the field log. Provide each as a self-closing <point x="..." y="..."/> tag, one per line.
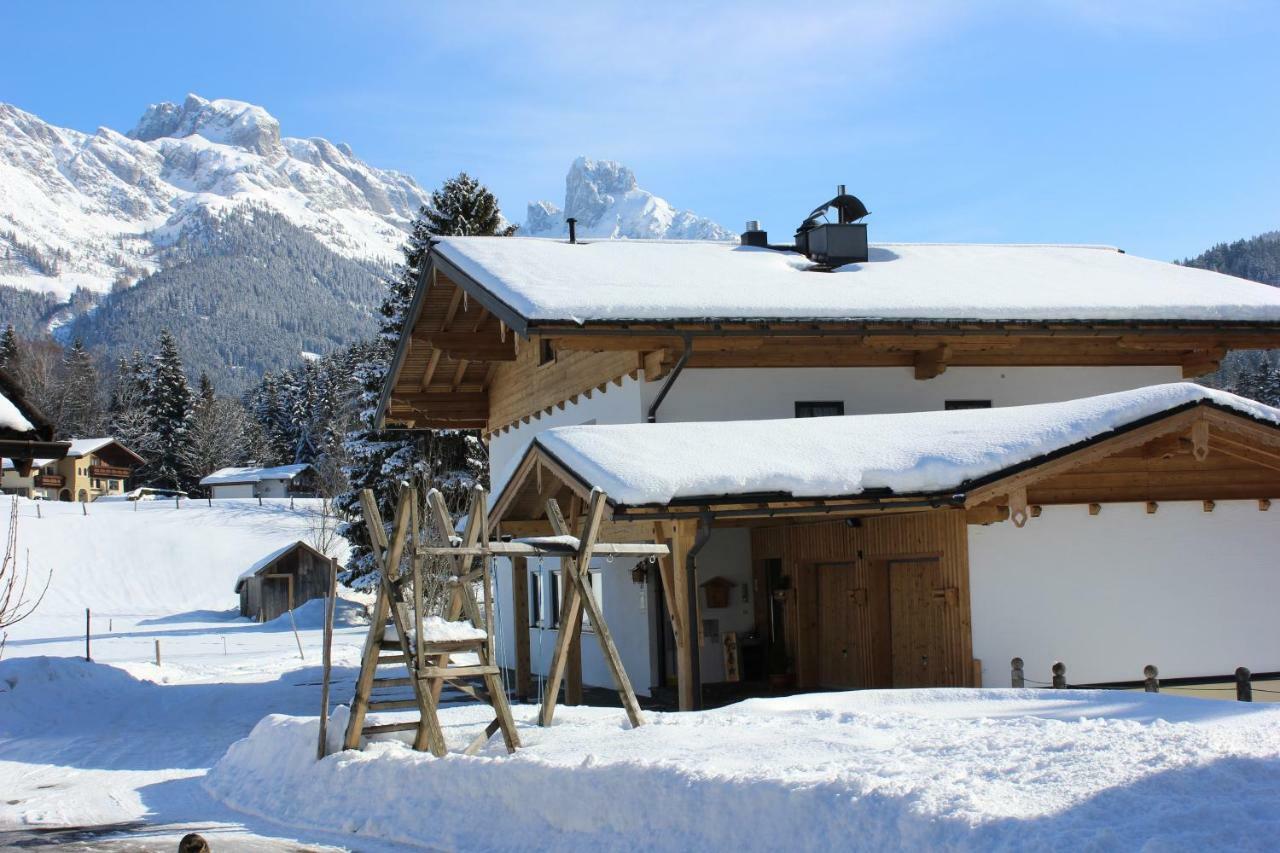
<point x="85" y="446"/>
<point x="263" y="562"/>
<point x="923" y="452"/>
<point x="253" y="474"/>
<point x="11" y="418"/>
<point x="552" y="280"/>
<point x="36" y="463"/>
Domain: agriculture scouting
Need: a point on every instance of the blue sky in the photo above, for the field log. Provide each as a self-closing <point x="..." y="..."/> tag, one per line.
<point x="1148" y="125"/>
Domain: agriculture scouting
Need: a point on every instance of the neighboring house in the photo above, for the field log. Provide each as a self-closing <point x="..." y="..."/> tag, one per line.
<point x="936" y="523"/>
<point x="282" y="580"/>
<point x="92" y="468"/>
<point x="26" y="435"/>
<point x="280" y="481"/>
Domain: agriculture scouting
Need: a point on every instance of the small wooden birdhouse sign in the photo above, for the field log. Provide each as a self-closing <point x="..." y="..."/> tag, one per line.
<point x="717" y="592"/>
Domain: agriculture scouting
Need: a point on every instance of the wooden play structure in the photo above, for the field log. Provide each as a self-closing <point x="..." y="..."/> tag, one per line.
<point x="402" y="628"/>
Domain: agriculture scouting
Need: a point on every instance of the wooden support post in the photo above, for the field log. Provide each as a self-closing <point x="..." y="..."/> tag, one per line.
<point x="1016" y="676"/>
<point x="157" y="651"/>
<point x="1059" y="675"/>
<point x="1151" y="677"/>
<point x="683" y="612"/>
<point x="330" y="606"/>
<point x="368" y="661"/>
<point x="520" y="609"/>
<point x="573" y="628"/>
<point x="1244" y="684"/>
<point x="87" y="656"/>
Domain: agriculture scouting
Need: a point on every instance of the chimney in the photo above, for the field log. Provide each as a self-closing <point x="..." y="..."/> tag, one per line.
<point x="833" y="244"/>
<point x="753" y="236"/>
<point x="573" y="229"/>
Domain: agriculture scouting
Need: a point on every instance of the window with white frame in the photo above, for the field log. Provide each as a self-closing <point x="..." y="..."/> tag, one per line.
<point x="536" y="613"/>
<point x="553" y="599"/>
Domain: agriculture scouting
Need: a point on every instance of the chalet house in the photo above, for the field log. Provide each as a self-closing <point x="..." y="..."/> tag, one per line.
<point x="26" y="436"/>
<point x="92" y="468"/>
<point x="901" y="464"/>
<point x="255" y="481"/>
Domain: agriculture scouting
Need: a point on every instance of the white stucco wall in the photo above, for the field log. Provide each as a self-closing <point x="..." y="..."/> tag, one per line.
<point x="1192" y="592"/>
<point x="626" y="610"/>
<point x="727" y="554"/>
<point x="619" y="404"/>
<point x="738" y="394"/>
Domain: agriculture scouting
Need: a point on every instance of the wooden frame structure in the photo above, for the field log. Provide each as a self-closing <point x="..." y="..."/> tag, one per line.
<point x="428" y="661"/>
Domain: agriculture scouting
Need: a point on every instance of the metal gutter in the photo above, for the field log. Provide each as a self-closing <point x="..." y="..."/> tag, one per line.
<point x="652" y="415"/>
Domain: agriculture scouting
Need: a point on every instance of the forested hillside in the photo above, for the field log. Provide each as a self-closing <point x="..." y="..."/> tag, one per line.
<point x="1252" y="373"/>
<point x="243" y="294"/>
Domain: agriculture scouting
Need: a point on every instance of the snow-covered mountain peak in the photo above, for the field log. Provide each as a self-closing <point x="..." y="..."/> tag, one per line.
<point x="605" y="198"/>
<point x="98" y="210"/>
<point x="222" y="121"/>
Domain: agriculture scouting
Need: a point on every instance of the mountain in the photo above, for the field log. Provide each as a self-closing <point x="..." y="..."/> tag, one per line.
<point x="93" y="211"/>
<point x="608" y="203"/>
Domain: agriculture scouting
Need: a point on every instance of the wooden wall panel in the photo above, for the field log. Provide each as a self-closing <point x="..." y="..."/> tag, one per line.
<point x="940" y="533"/>
<point x="523" y="388"/>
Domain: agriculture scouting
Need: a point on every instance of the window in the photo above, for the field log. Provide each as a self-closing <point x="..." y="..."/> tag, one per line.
<point x="597" y="592"/>
<point x="554" y="603"/>
<point x="535" y="599"/>
<point x="546" y="351"/>
<point x="956" y="405"/>
<point x="819" y="409"/>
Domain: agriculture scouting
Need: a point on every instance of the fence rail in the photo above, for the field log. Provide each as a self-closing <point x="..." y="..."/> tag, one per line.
<point x="1150" y="681"/>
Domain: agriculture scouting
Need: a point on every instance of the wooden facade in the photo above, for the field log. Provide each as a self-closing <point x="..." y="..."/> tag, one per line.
<point x="291" y="578"/>
<point x="864" y="604"/>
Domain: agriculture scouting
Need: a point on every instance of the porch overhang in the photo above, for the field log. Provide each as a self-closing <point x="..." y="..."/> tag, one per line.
<point x="1202" y="448"/>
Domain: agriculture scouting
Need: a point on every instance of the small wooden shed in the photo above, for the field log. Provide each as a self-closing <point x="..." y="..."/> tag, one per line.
<point x="282" y="580"/>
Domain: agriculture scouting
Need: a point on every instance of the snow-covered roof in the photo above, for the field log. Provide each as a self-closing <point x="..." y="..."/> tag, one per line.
<point x="267" y="560"/>
<point x="36" y="464"/>
<point x="917" y="453"/>
<point x="11" y="418"/>
<point x="253" y="474"/>
<point x="85" y="446"/>
<point x="615" y="280"/>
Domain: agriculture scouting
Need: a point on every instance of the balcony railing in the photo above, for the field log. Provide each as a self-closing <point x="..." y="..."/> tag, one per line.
<point x="50" y="481"/>
<point x="108" y="471"/>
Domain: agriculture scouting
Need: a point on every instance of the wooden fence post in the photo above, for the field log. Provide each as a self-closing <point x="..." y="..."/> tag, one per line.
<point x="1017" y="677"/>
<point x="1244" y="684"/>
<point x="1059" y="675"/>
<point x="38" y="515"/>
<point x="1152" y="676"/>
<point x="86" y="635"/>
<point x="157" y="651"/>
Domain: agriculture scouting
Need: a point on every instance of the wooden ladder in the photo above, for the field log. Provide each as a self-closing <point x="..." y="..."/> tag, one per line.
<point x="396" y="632"/>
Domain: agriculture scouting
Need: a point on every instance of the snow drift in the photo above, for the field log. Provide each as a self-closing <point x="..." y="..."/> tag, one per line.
<point x="871" y="770"/>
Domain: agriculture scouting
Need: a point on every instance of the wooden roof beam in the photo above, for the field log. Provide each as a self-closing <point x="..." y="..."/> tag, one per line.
<point x="931" y="363"/>
<point x="468" y="345"/>
<point x="1200" y="362"/>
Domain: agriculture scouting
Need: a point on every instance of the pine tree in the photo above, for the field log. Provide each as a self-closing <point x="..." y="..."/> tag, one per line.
<point x="79" y="412"/>
<point x="169" y="410"/>
<point x="8" y="348"/>
<point x="462" y="206"/>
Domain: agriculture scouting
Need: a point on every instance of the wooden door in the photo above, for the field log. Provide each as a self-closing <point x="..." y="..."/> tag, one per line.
<point x="853" y="647"/>
<point x="915" y="607"/>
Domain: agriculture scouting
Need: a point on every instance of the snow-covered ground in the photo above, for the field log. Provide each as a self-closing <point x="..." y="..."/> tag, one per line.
<point x="221" y="738"/>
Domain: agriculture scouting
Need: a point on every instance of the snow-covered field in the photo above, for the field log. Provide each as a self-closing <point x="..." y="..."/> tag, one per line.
<point x="221" y="738"/>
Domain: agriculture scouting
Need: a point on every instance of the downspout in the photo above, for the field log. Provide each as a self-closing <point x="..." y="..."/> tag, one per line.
<point x="652" y="415"/>
<point x="691" y="590"/>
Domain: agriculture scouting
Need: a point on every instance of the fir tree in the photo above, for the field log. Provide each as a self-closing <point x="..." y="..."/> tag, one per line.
<point x="169" y="411"/>
<point x="79" y="413"/>
<point x="8" y="348"/>
<point x="462" y="206"/>
<point x="451" y="460"/>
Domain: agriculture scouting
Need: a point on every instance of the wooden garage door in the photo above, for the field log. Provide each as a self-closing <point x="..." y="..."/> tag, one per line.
<point x="853" y="625"/>
<point x="916" y="621"/>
